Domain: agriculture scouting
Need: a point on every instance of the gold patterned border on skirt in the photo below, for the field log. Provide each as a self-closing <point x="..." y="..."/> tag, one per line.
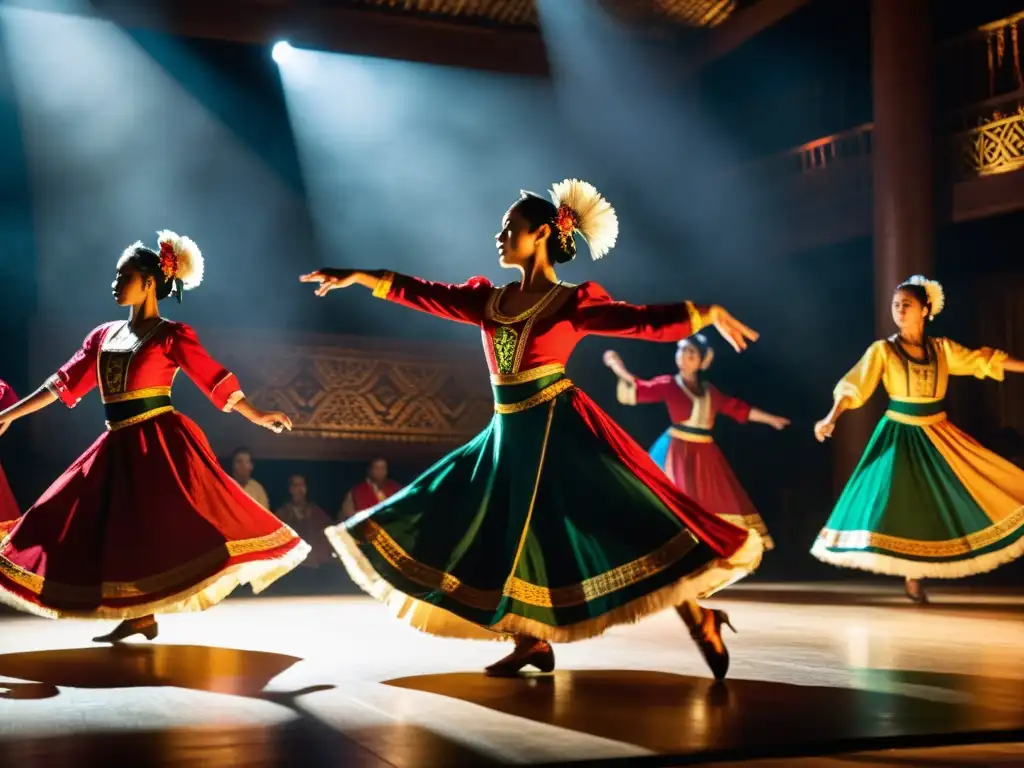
<point x="151" y="584"/>
<point x="532" y="594"/>
<point x="948" y="548"/>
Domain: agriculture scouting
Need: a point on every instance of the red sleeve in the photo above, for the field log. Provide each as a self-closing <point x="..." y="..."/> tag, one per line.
<point x="213" y="379"/>
<point x="464" y="303"/>
<point x="654" y="390"/>
<point x="76" y="378"/>
<point x="598" y="315"/>
<point x="732" y="407"/>
<point x="7" y="395"/>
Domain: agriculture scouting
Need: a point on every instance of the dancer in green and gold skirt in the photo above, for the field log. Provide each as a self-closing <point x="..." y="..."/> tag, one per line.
<point x="926" y="500"/>
<point x="551" y="525"/>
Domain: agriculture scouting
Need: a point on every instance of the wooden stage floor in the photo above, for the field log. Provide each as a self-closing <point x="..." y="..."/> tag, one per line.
<point x="333" y="681"/>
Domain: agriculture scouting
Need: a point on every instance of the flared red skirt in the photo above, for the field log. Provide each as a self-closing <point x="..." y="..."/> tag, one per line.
<point x="144" y="521"/>
<point x="699" y="470"/>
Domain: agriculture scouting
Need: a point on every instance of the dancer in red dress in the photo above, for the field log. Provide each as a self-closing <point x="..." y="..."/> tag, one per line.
<point x="687" y="450"/>
<point x="145" y="521"/>
<point x="9" y="510"/>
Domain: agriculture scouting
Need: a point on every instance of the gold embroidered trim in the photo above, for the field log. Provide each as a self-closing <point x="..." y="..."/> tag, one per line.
<point x="512" y="579"/>
<point x="561" y="597"/>
<point x="383" y="288"/>
<point x="696" y="319"/>
<point x="498" y="316"/>
<point x="538" y="309"/>
<point x="689" y="437"/>
<point x="548" y="393"/>
<point x="138" y="394"/>
<point x="504" y="343"/>
<point x="948" y="548"/>
<point x="531" y="374"/>
<point x="915" y="421"/>
<point x="151" y="584"/>
<point x="915" y="400"/>
<point x="113" y="426"/>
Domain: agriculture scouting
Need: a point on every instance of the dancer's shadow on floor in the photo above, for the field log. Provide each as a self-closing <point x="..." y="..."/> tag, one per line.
<point x="675" y="714"/>
<point x="195" y="667"/>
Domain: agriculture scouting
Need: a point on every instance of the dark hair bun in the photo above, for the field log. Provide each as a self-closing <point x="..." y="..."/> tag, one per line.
<point x="537" y="211"/>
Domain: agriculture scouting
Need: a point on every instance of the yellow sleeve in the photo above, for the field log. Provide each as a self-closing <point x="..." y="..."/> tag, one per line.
<point x="983" y="363"/>
<point x="860" y="383"/>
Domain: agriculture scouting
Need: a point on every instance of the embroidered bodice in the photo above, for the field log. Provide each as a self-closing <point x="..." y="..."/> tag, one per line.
<point x="685" y="408"/>
<point x="125" y="366"/>
<point x="916" y="380"/>
<point x="541" y="339"/>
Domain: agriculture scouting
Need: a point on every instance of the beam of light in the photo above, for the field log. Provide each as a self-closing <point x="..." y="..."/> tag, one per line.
<point x="411" y="166"/>
<point x="116" y="150"/>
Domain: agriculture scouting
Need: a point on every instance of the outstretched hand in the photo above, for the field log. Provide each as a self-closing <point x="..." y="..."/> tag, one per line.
<point x="824" y="429"/>
<point x="330" y="279"/>
<point x="732" y="330"/>
<point x="275" y="421"/>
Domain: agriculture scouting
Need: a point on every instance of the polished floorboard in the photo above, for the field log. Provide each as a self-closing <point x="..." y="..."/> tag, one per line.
<point x="818" y="673"/>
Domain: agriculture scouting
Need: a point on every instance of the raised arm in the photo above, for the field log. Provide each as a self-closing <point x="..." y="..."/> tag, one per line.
<point x="599" y="315"/>
<point x="463" y="303"/>
<point x="72" y="381"/>
<point x="983" y="363"/>
<point x="217" y="382"/>
<point x="634" y="391"/>
<point x="854" y="389"/>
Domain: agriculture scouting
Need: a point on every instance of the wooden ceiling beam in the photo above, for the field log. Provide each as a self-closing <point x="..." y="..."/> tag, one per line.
<point x="324" y="27"/>
<point x="742" y="26"/>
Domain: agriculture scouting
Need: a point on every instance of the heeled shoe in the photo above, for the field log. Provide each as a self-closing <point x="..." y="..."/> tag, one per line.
<point x="539" y="654"/>
<point x="917" y="595"/>
<point x="129" y="628"/>
<point x="708" y="637"/>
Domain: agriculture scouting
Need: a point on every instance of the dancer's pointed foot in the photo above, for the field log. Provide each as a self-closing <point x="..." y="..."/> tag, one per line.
<point x="145" y="626"/>
<point x="529" y="651"/>
<point x="707" y="634"/>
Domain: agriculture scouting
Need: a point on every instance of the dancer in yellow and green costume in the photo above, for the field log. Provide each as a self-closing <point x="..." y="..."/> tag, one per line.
<point x="926" y="500"/>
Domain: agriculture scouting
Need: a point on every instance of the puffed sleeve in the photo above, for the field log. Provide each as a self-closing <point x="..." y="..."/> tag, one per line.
<point x="8" y="397"/>
<point x="860" y="383"/>
<point x="640" y="391"/>
<point x="77" y="377"/>
<point x="598" y="314"/>
<point x="983" y="363"/>
<point x="463" y="303"/>
<point x="213" y="379"/>
<point x="729" y="406"/>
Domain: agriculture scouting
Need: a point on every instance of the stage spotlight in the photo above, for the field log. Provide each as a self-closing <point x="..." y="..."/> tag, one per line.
<point x="282" y="52"/>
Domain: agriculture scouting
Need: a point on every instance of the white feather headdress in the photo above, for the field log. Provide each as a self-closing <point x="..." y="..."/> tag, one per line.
<point x="933" y="288"/>
<point x="581" y="208"/>
<point x="181" y="260"/>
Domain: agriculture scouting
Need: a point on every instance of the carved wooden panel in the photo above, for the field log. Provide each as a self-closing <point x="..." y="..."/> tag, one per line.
<point x="350" y="396"/>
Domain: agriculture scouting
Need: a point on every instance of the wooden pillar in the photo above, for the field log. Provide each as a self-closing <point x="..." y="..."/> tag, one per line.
<point x="904" y="186"/>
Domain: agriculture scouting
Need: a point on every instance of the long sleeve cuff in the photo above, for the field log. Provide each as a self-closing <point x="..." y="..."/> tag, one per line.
<point x="625" y="392"/>
<point x="59" y="388"/>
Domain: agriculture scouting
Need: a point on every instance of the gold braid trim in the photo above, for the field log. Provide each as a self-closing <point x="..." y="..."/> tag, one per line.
<point x="548" y="393"/>
<point x="832" y="539"/>
<point x="383" y="288"/>
<point x="138" y="394"/>
<point x="113" y="426"/>
<point x="916" y="421"/>
<point x="529" y="375"/>
<point x="689" y="437"/>
<point x="533" y="594"/>
<point x="441" y="622"/>
<point x="151" y="584"/>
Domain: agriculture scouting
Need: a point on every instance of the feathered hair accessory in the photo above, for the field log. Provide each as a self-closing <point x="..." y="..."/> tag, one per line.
<point x="581" y="208"/>
<point x="180" y="261"/>
<point x="933" y="289"/>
